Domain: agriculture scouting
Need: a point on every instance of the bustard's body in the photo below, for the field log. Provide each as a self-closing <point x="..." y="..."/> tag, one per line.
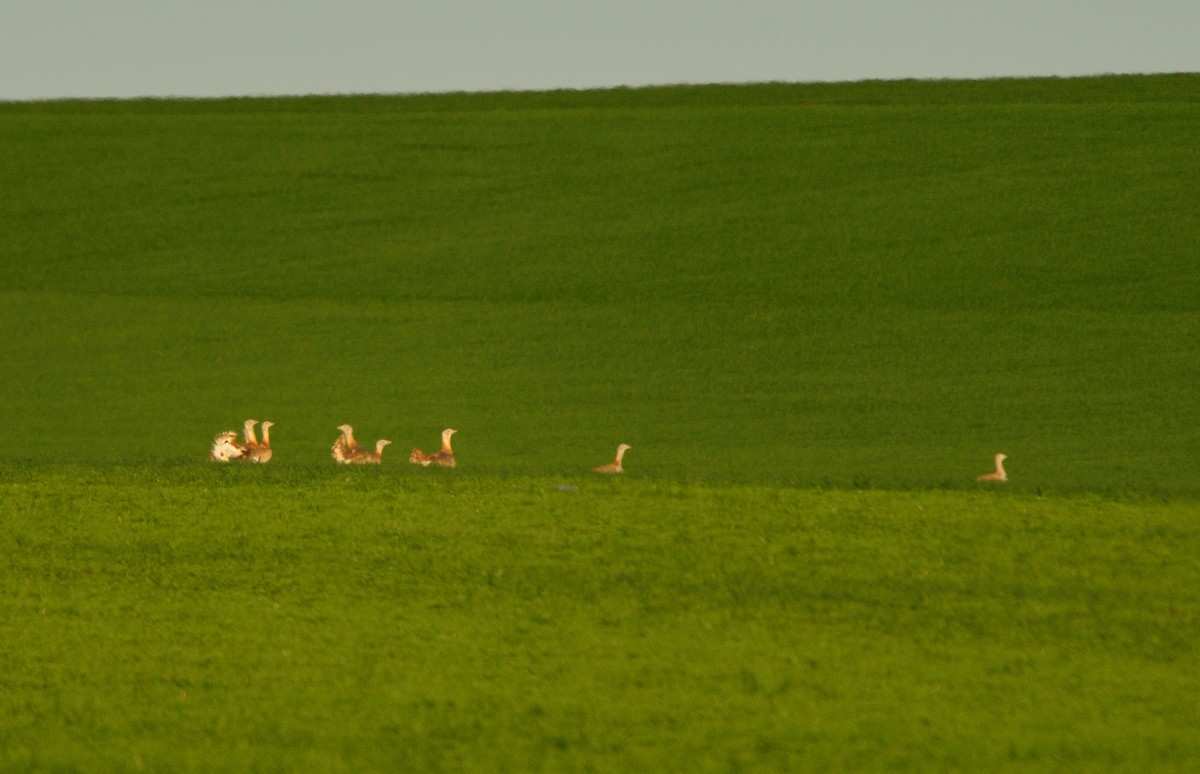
<point x="444" y="458"/>
<point x="261" y="451"/>
<point x="347" y="451"/>
<point x="361" y="456"/>
<point x="615" y="465"/>
<point x="345" y="446"/>
<point x="998" y="474"/>
<point x="248" y="439"/>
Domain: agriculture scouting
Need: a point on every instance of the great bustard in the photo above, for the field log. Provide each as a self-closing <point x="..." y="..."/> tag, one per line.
<point x="998" y="474"/>
<point x="445" y="457"/>
<point x="261" y="451"/>
<point x="345" y="445"/>
<point x="615" y="465"/>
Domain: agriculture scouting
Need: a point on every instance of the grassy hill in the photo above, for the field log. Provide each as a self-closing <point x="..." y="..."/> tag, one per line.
<point x="877" y="282"/>
<point x="815" y="311"/>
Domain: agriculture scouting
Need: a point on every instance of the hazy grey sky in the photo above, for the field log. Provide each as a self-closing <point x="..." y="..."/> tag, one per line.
<point x="130" y="48"/>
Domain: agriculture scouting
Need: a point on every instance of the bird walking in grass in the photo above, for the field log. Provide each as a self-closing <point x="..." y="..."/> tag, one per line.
<point x="998" y="474"/>
<point x="615" y="465"/>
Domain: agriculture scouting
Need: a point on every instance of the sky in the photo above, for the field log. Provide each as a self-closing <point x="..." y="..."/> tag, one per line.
<point x="52" y="49"/>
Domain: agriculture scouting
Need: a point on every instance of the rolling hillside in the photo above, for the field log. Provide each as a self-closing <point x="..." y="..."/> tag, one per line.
<point x="814" y="311"/>
<point x="872" y="284"/>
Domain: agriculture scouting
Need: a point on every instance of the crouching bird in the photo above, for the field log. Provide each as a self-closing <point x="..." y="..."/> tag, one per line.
<point x="445" y="457"/>
<point x="347" y="451"/>
<point x="998" y="474"/>
<point x="615" y="465"/>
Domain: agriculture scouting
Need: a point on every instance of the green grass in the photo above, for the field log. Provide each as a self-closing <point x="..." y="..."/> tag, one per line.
<point x="868" y="282"/>
<point x="815" y="311"/>
<point x="271" y="619"/>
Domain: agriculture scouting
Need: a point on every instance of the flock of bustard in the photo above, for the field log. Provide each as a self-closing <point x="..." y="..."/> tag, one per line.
<point x="347" y="451"/>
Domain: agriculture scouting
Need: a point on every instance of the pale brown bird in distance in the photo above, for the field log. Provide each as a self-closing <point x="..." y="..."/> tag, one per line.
<point x="615" y="465"/>
<point x="361" y="456"/>
<point x="445" y="457"/>
<point x="347" y="451"/>
<point x="259" y="451"/>
<point x="998" y="474"/>
<point x="344" y="445"/>
<point x="223" y="447"/>
<point x="248" y="439"/>
<point x="252" y="450"/>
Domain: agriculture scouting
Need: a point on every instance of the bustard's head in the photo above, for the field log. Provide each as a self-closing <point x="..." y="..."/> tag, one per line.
<point x="347" y="429"/>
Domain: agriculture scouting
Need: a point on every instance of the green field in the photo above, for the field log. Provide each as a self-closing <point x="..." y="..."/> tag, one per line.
<point x="814" y="311"/>
<point x="266" y="619"/>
